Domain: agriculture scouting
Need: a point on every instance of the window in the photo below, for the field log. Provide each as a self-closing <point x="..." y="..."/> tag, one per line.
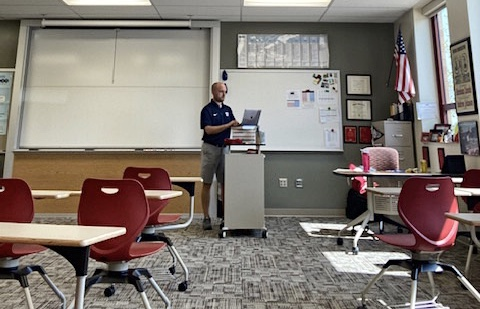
<point x="446" y="94"/>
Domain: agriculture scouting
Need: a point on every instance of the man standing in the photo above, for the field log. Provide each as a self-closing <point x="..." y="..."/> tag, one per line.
<point x="216" y="119"/>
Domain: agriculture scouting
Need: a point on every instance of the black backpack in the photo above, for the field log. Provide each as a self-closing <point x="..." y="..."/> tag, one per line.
<point x="356" y="204"/>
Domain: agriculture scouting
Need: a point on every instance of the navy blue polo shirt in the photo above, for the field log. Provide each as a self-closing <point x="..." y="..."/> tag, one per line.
<point x="213" y="115"/>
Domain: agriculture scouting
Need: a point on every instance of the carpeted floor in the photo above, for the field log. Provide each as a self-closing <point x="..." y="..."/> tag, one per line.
<point x="297" y="266"/>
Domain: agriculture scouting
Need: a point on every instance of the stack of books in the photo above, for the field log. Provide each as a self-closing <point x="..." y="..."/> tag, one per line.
<point x="248" y="134"/>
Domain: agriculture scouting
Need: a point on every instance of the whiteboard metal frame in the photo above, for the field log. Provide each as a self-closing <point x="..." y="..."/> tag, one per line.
<point x="15" y="119"/>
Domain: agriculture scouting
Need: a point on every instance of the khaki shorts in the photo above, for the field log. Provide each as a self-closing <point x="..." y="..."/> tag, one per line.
<point x="212" y="163"/>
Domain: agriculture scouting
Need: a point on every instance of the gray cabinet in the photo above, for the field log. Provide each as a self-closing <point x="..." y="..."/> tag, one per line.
<point x="244" y="193"/>
<point x="398" y="135"/>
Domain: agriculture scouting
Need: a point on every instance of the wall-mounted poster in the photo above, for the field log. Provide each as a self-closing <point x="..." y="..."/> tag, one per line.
<point x="463" y="79"/>
<point x="468" y="132"/>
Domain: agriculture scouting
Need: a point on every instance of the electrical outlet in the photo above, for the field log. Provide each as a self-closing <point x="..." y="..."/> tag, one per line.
<point x="283" y="182"/>
<point x="299" y="183"/>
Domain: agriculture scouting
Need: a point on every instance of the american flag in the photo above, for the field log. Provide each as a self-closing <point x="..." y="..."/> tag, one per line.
<point x="404" y="82"/>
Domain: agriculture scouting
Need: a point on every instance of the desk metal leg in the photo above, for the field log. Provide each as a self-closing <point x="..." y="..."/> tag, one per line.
<point x="78" y="258"/>
<point x="80" y="292"/>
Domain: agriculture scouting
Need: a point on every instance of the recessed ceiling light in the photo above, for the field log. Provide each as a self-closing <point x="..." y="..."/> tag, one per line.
<point x="108" y="2"/>
<point x="291" y="3"/>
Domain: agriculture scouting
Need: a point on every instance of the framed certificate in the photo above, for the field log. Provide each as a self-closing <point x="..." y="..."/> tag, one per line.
<point x="359" y="109"/>
<point x="350" y="134"/>
<point x="365" y="135"/>
<point x="359" y="85"/>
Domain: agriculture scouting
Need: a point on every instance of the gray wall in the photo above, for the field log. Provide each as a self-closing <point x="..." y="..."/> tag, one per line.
<point x="8" y="43"/>
<point x="354" y="49"/>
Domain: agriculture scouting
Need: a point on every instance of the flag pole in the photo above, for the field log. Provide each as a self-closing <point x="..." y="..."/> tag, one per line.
<point x="390" y="73"/>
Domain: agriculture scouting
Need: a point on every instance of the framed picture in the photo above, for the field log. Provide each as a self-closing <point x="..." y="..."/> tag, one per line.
<point x="468" y="132"/>
<point x="365" y="135"/>
<point x="359" y="84"/>
<point x="463" y="78"/>
<point x="441" y="157"/>
<point x="359" y="109"/>
<point x="350" y="134"/>
<point x="426" y="155"/>
<point x="442" y="127"/>
<point x="425" y="137"/>
<point x="435" y="135"/>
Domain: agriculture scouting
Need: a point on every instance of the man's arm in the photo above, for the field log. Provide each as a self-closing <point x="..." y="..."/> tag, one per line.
<point x="217" y="129"/>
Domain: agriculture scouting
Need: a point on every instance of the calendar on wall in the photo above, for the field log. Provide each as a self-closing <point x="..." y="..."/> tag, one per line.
<point x="282" y="51"/>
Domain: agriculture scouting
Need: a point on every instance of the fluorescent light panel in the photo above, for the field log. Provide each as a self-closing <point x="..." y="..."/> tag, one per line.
<point x="287" y="3"/>
<point x="108" y="2"/>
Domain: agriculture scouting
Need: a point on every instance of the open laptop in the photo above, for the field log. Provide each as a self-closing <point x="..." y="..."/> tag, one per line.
<point x="251" y="117"/>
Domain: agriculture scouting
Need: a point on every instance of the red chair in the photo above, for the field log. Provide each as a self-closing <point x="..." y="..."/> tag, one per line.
<point x="118" y="202"/>
<point x="156" y="178"/>
<point x="471" y="179"/>
<point x="422" y="205"/>
<point x="16" y="205"/>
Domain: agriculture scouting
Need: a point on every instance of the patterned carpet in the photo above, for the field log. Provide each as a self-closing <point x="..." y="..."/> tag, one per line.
<point x="295" y="267"/>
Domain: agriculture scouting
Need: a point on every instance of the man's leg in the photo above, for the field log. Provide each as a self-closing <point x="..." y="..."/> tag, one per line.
<point x="207" y="224"/>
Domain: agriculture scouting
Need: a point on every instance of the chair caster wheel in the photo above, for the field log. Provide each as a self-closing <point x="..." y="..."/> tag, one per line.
<point x="222" y="234"/>
<point x="264" y="234"/>
<point x="355" y="250"/>
<point x="109" y="291"/>
<point x="339" y="241"/>
<point x="182" y="287"/>
<point x="172" y="270"/>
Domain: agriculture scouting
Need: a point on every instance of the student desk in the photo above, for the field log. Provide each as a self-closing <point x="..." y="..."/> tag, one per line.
<point x="471" y="220"/>
<point x="54" y="194"/>
<point x="367" y="216"/>
<point x="70" y="241"/>
<point x="187" y="183"/>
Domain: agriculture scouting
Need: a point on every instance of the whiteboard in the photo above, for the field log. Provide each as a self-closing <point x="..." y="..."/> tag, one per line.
<point x="115" y="88"/>
<point x="301" y="109"/>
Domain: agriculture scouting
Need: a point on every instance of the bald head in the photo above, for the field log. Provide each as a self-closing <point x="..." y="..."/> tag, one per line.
<point x="219" y="90"/>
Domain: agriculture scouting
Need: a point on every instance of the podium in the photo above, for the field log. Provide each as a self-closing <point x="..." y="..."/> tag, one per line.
<point x="244" y="192"/>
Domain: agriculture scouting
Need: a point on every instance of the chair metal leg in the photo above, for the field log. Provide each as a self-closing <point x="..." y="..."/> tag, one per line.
<point x="22" y="278"/>
<point x="432" y="284"/>
<point x="462" y="279"/>
<point x="471" y="246"/>
<point x="28" y="296"/>
<point x="372" y="282"/>
<point x="182" y="286"/>
<point x="160" y="292"/>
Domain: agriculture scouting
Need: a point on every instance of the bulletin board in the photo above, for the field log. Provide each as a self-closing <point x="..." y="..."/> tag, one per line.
<point x="301" y="109"/>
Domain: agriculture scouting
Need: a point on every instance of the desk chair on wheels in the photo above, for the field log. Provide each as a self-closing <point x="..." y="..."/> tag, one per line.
<point x="384" y="159"/>
<point x="119" y="202"/>
<point x="156" y="178"/>
<point x="422" y="205"/>
<point x="16" y="205"/>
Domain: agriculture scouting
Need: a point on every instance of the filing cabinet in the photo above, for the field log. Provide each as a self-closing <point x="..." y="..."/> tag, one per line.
<point x="398" y="135"/>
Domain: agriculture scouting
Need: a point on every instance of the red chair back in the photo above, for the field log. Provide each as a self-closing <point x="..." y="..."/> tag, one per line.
<point x="471" y="179"/>
<point x="383" y="158"/>
<point x="16" y="205"/>
<point x="117" y="202"/>
<point x="152" y="178"/>
<point x="422" y="205"/>
<point x="16" y="201"/>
